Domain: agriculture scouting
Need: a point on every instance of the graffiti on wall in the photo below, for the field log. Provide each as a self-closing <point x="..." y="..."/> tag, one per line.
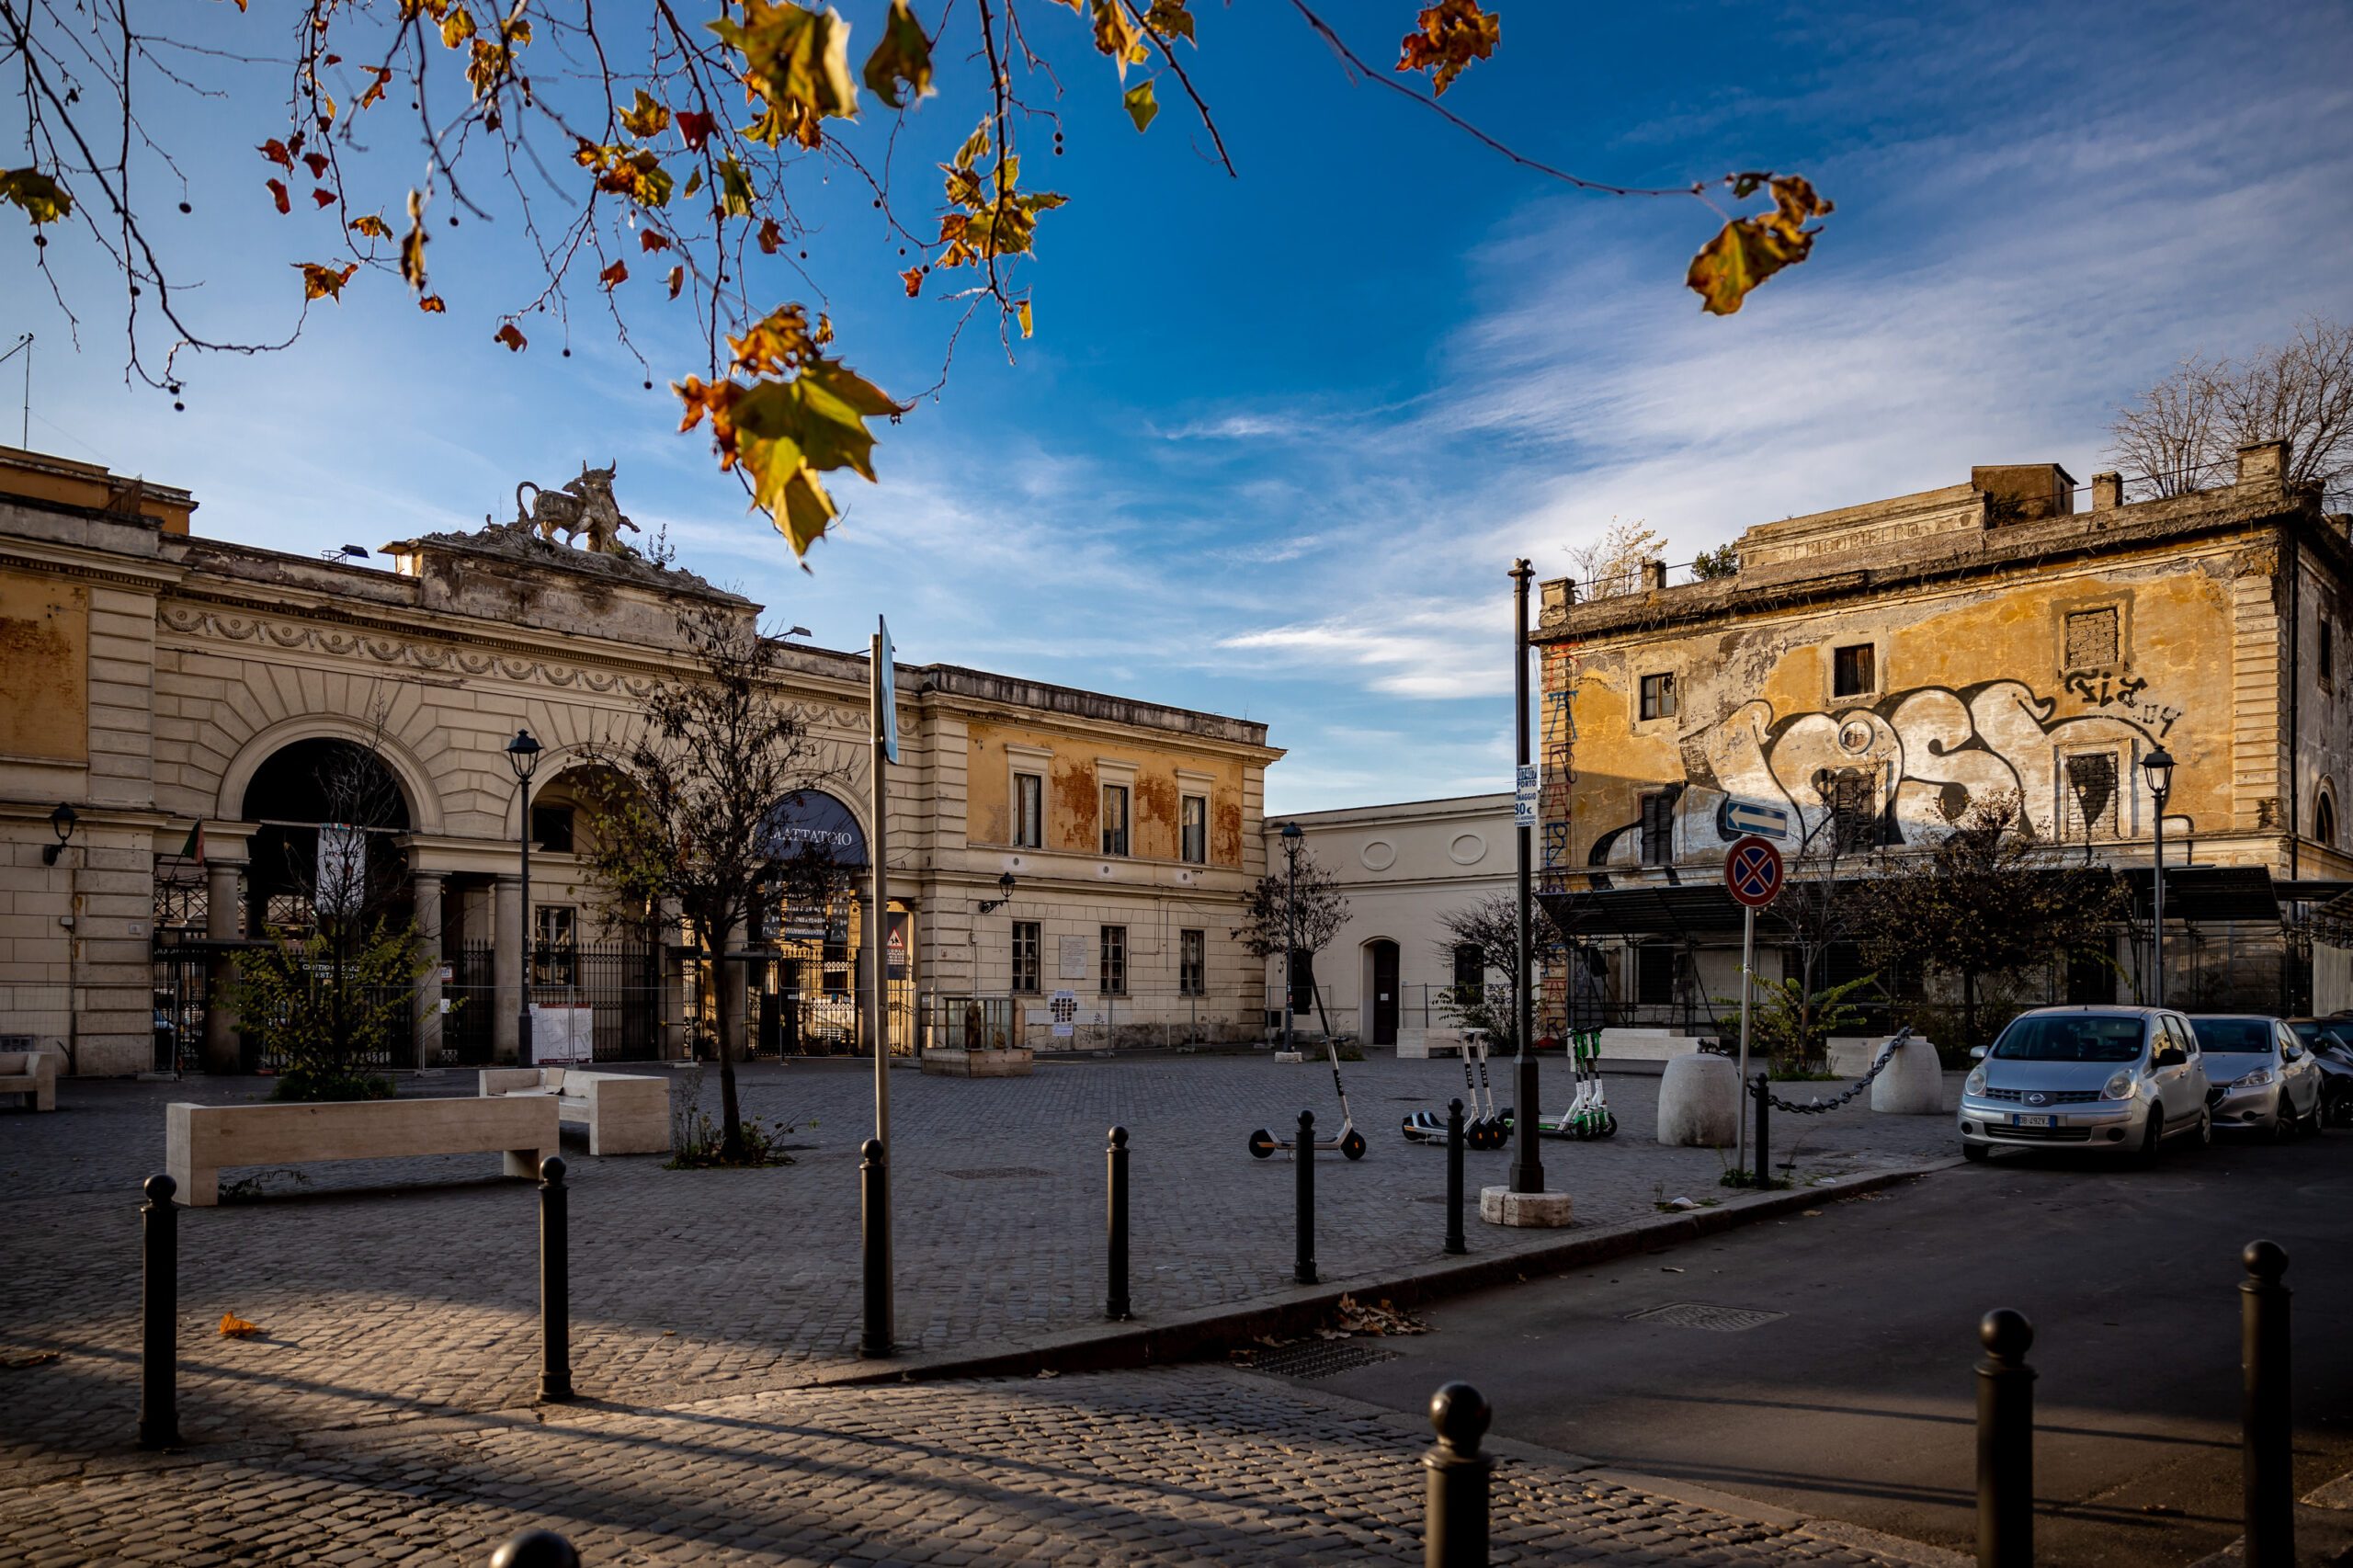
<point x="1914" y="762"/>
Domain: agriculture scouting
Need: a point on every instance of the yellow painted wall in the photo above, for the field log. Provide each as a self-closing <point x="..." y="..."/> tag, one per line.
<point x="44" y="667"/>
<point x="1074" y="794"/>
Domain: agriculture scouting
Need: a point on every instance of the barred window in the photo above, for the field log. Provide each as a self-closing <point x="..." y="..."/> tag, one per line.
<point x="1658" y="829"/>
<point x="1854" y="671"/>
<point x="1115" y="819"/>
<point x="1114" y="972"/>
<point x="1658" y="697"/>
<point x="1026" y="950"/>
<point x="2092" y="638"/>
<point x="1470" y="972"/>
<point x="1197" y="830"/>
<point x="1192" y="963"/>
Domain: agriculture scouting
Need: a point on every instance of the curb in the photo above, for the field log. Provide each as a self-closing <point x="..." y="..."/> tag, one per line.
<point x="1191" y="1336"/>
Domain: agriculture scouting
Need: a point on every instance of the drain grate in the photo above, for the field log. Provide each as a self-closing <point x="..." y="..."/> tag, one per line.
<point x="1718" y="1320"/>
<point x="996" y="1172"/>
<point x="1320" y="1358"/>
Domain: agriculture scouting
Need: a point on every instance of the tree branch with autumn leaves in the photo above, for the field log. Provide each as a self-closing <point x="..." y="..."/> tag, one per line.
<point x="677" y="144"/>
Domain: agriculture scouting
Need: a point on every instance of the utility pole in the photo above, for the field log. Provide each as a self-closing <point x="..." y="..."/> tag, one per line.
<point x="1527" y="1169"/>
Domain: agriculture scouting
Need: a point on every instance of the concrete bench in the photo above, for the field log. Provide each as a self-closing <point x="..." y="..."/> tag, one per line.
<point x="627" y="1113"/>
<point x="31" y="1076"/>
<point x="198" y="1140"/>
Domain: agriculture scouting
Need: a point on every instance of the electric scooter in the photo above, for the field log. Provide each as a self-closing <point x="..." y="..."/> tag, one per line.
<point x="1350" y="1142"/>
<point x="1485" y="1127"/>
<point x="1588" y="1114"/>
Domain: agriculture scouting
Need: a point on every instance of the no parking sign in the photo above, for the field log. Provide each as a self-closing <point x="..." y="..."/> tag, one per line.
<point x="1753" y="871"/>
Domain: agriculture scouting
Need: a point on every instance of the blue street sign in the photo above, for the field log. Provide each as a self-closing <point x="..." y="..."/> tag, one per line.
<point x="1754" y="816"/>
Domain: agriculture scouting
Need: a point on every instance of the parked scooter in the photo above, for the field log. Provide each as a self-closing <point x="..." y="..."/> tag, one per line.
<point x="1588" y="1114"/>
<point x="1350" y="1142"/>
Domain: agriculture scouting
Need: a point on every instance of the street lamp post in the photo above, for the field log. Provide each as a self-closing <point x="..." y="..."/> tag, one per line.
<point x="1292" y="838"/>
<point x="2158" y="766"/>
<point x="523" y="756"/>
<point x="1527" y="1169"/>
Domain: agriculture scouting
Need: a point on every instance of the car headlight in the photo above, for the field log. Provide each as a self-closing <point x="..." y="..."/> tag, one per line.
<point x="2254" y="1080"/>
<point x="2121" y="1086"/>
<point x="1975" y="1084"/>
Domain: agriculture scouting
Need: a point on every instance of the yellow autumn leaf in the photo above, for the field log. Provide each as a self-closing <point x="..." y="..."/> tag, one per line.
<point x="374" y="227"/>
<point x="457" y="27"/>
<point x="1747" y="251"/>
<point x="43" y="199"/>
<point x="324" y="282"/>
<point x="1141" y="104"/>
<point x="904" y="55"/>
<point x="234" y="1328"/>
<point x="795" y="61"/>
<point x="645" y="117"/>
<point x="514" y="340"/>
<point x="1022" y="312"/>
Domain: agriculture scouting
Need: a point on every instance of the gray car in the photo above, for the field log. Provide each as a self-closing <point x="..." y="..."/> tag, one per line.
<point x="2112" y="1080"/>
<point x="2265" y="1080"/>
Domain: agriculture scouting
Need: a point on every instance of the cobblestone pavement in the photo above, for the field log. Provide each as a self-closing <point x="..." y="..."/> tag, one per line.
<point x="1183" y="1467"/>
<point x="398" y="1290"/>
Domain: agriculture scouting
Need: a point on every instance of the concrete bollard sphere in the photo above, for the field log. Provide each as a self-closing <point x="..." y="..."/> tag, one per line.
<point x="1699" y="1101"/>
<point x="1913" y="1084"/>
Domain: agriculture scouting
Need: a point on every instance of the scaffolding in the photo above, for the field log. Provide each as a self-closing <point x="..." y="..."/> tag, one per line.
<point x="1557" y="728"/>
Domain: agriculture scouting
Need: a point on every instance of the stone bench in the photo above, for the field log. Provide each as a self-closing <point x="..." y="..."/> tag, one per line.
<point x="946" y="1061"/>
<point x="198" y="1140"/>
<point x="627" y="1113"/>
<point x="31" y="1076"/>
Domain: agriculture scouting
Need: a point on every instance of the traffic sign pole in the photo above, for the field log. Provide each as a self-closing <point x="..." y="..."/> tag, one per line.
<point x="1753" y="871"/>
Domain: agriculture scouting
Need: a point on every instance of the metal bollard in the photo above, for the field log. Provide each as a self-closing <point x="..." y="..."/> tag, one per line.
<point x="1454" y="1242"/>
<point x="874" y="1338"/>
<point x="1764" y="1171"/>
<point x="555" y="1281"/>
<point x="1115" y="1305"/>
<point x="159" y="1314"/>
<point x="535" y="1548"/>
<point x="2005" y="1443"/>
<point x="1302" y="1155"/>
<point x="2269" y="1446"/>
<point x="1454" y="1517"/>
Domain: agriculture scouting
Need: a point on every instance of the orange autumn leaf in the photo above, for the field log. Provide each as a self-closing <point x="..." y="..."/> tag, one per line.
<point x="772" y="236"/>
<point x="275" y="151"/>
<point x="374" y="227"/>
<point x="677" y="280"/>
<point x="432" y="303"/>
<point x="516" y="342"/>
<point x="695" y="127"/>
<point x="324" y="197"/>
<point x="318" y="164"/>
<point x="1747" y="251"/>
<point x="1447" y="38"/>
<point x="614" y="275"/>
<point x="647" y="239"/>
<point x="913" y="279"/>
<point x="324" y="282"/>
<point x="234" y="1328"/>
<point x="277" y="194"/>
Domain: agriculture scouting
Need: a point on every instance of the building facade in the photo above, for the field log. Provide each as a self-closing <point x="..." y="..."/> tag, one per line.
<point x="173" y="703"/>
<point x="1886" y="667"/>
<point x="1402" y="869"/>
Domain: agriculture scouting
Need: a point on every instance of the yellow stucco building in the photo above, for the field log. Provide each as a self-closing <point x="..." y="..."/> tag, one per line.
<point x="1890" y="663"/>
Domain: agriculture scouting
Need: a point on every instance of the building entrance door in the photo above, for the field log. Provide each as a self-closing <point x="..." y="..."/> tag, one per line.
<point x="1384" y="992"/>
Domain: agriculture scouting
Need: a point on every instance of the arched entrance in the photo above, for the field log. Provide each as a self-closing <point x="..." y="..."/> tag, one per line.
<point x="328" y="811"/>
<point x="1381" y="991"/>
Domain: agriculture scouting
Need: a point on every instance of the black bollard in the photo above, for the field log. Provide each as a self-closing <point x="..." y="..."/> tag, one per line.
<point x="2005" y="1443"/>
<point x="874" y="1338"/>
<point x="555" y="1281"/>
<point x="1454" y="1517"/>
<point x="1303" y="1162"/>
<point x="1764" y="1132"/>
<point x="1454" y="1242"/>
<point x="159" y="1315"/>
<point x="2268" y="1446"/>
<point x="535" y="1548"/>
<point x="1115" y="1305"/>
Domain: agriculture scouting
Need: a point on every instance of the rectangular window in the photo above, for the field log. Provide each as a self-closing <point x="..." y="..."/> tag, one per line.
<point x="1655" y="965"/>
<point x="551" y="828"/>
<point x="2092" y="639"/>
<point x="1028" y="950"/>
<point x="1114" y="973"/>
<point x="1193" y="963"/>
<point x="1029" y="811"/>
<point x="1851" y="795"/>
<point x="1854" y="671"/>
<point x="2087" y="783"/>
<point x="1658" y="697"/>
<point x="1197" y="827"/>
<point x="552" y="964"/>
<point x="1115" y="819"/>
<point x="2327" y="652"/>
<point x="1658" y="829"/>
<point x="1470" y="972"/>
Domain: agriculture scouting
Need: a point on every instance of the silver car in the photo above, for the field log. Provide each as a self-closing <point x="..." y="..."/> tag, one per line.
<point x="2117" y="1080"/>
<point x="2265" y="1080"/>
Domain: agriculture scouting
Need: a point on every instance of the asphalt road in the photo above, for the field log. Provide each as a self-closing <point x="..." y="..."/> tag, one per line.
<point x="1858" y="1402"/>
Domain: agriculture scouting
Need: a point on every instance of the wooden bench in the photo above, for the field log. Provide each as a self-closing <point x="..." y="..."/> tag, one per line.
<point x="627" y="1113"/>
<point x="198" y="1140"/>
<point x="31" y="1076"/>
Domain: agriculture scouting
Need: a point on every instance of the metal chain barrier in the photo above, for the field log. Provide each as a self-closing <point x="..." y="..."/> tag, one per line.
<point x="1818" y="1105"/>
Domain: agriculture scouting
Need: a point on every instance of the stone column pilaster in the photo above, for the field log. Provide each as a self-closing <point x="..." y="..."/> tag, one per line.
<point x="506" y="965"/>
<point x="223" y="921"/>
<point x="425" y="887"/>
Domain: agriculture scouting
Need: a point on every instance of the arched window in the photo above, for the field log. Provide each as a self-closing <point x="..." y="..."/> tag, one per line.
<point x="2325" y="820"/>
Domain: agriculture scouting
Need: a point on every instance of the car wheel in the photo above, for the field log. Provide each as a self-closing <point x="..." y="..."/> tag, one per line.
<point x="2153" y="1134"/>
<point x="2283" y="1121"/>
<point x="1976" y="1153"/>
<point x="2204" y="1136"/>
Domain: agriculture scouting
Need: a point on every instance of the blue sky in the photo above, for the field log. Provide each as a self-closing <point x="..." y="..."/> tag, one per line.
<point x="1279" y="439"/>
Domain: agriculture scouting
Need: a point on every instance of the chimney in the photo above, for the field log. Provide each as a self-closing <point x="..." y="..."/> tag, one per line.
<point x="2264" y="463"/>
<point x="1654" y="575"/>
<point x="2025" y="493"/>
<point x="2107" y="492"/>
<point x="1559" y="594"/>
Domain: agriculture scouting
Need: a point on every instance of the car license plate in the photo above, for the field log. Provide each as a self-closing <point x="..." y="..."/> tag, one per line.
<point x="2034" y="1121"/>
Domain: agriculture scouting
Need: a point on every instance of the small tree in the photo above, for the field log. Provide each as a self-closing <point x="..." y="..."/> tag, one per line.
<point x="1489" y="925"/>
<point x="1322" y="909"/>
<point x="1817" y="911"/>
<point x="1611" y="566"/>
<point x="1988" y="901"/>
<point x="685" y="802"/>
